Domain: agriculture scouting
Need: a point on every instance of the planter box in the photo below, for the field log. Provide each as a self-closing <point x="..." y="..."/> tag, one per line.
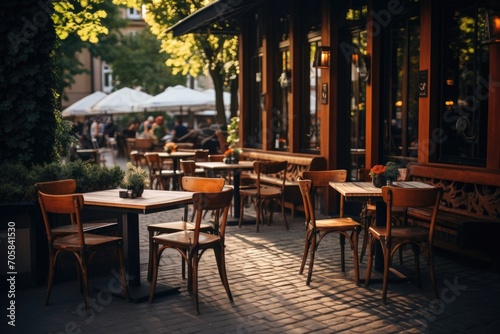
<point x="31" y="252"/>
<point x="30" y="243"/>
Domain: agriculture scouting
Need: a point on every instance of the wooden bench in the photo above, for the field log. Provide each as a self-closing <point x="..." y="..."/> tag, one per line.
<point x="468" y="221"/>
<point x="297" y="163"/>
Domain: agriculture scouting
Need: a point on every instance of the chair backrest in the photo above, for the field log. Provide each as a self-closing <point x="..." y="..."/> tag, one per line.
<point x="136" y="158"/>
<point x="412" y="197"/>
<point x="154" y="162"/>
<point x="202" y="184"/>
<point x="364" y="175"/>
<point x="201" y="155"/>
<point x="216" y="157"/>
<point x="305" y="186"/>
<point x="68" y="204"/>
<point x="322" y="178"/>
<point x="270" y="167"/>
<point x="143" y="144"/>
<point x="188" y="167"/>
<point x="60" y="187"/>
<point x="218" y="202"/>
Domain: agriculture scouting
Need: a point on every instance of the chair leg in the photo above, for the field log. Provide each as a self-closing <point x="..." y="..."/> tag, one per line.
<point x="242" y="208"/>
<point x="50" y="279"/>
<point x="387" y="261"/>
<point x="221" y="264"/>
<point x="366" y="237"/>
<point x="354" y="238"/>
<point x="194" y="283"/>
<point x="342" y="252"/>
<point x="151" y="255"/>
<point x="431" y="271"/>
<point x="416" y="254"/>
<point x="370" y="260"/>
<point x="307" y="246"/>
<point x="282" y="204"/>
<point x="83" y="266"/>
<point x="119" y="254"/>
<point x="314" y="246"/>
<point x="258" y="209"/>
<point x="156" y="264"/>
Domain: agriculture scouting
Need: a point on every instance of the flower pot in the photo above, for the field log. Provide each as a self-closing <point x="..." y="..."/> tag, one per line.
<point x="379" y="181"/>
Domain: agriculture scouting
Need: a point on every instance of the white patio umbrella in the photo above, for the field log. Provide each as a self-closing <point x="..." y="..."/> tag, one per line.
<point x="174" y="99"/>
<point x="120" y="102"/>
<point x="226" y="96"/>
<point x="83" y="106"/>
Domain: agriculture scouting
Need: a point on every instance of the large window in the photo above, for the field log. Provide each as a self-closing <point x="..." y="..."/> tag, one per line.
<point x="463" y="108"/>
<point x="310" y="123"/>
<point x="253" y="120"/>
<point x="401" y="100"/>
<point x="310" y="76"/>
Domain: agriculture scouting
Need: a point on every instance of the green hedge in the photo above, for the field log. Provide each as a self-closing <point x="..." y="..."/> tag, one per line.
<point x="17" y="181"/>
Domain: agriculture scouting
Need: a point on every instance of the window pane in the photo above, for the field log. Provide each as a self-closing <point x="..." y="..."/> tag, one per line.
<point x="464" y="95"/>
<point x="401" y="120"/>
<point x="309" y="121"/>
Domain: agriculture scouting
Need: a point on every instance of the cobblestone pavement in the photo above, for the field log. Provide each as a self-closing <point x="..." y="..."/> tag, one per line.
<point x="271" y="297"/>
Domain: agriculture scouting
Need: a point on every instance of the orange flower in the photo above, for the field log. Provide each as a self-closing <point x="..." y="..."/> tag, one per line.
<point x="378" y="169"/>
<point x="229" y="152"/>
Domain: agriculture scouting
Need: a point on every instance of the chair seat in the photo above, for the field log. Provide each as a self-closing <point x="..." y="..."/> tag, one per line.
<point x="337" y="224"/>
<point x="372" y="207"/>
<point x="401" y="234"/>
<point x="185" y="239"/>
<point x="87" y="227"/>
<point x="72" y="242"/>
<point x="264" y="191"/>
<point x="172" y="227"/>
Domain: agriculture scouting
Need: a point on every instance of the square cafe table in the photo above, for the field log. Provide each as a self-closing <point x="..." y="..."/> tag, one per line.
<point x="176" y="157"/>
<point x="365" y="191"/>
<point x="128" y="210"/>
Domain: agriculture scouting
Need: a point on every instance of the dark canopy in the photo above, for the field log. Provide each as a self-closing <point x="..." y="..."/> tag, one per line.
<point x="215" y="18"/>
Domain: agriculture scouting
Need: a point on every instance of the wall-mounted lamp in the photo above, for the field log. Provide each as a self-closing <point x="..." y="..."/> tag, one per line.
<point x="285" y="79"/>
<point x="493" y="26"/>
<point x="362" y="64"/>
<point x="322" y="58"/>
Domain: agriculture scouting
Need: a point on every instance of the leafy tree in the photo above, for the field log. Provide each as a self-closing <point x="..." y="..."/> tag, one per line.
<point x="193" y="53"/>
<point x="137" y="61"/>
<point x="71" y="42"/>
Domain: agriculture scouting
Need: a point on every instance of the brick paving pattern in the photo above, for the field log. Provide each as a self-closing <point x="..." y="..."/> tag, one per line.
<point x="271" y="297"/>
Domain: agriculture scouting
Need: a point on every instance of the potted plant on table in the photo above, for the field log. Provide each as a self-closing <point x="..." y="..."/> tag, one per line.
<point x="384" y="175"/>
<point x="135" y="180"/>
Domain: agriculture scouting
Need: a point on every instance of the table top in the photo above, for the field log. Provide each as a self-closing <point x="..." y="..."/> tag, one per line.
<point x="176" y="154"/>
<point x="367" y="189"/>
<point x="150" y="201"/>
<point x="222" y="165"/>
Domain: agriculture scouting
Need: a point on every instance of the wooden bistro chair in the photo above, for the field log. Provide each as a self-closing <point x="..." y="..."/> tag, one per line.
<point x="392" y="237"/>
<point x="192" y="244"/>
<point x="194" y="184"/>
<point x="158" y="176"/>
<point x="82" y="245"/>
<point x="65" y="187"/>
<point x="189" y="168"/>
<point x="368" y="212"/>
<point x="317" y="229"/>
<point x="262" y="193"/>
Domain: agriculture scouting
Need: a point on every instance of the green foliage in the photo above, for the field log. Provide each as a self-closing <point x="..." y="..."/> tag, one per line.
<point x="66" y="59"/>
<point x="18" y="181"/>
<point x="28" y="101"/>
<point x="233" y="137"/>
<point x="138" y="62"/>
<point x="135" y="178"/>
